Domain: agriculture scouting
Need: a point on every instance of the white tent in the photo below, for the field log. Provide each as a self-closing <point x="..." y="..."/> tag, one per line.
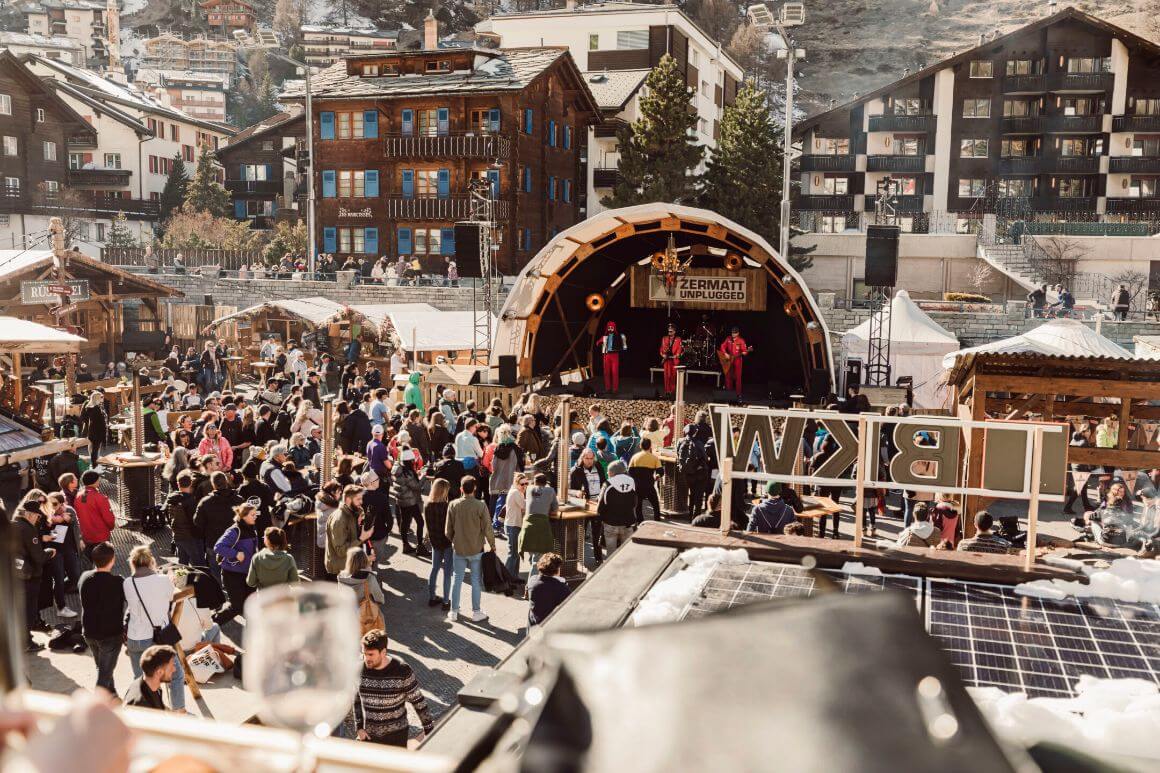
<point x="24" y="335"/>
<point x="1059" y="337"/>
<point x="433" y="330"/>
<point x="917" y="346"/>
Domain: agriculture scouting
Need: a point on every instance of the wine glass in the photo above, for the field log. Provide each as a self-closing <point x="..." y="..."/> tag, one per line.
<point x="302" y="657"/>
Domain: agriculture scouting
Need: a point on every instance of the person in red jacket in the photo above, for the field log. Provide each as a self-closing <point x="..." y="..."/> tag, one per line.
<point x="671" y="350"/>
<point x="94" y="513"/>
<point x="731" y="352"/>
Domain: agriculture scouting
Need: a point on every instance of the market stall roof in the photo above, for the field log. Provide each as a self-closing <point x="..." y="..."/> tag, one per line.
<point x="23" y="335"/>
<point x="26" y="263"/>
<point x="1066" y="338"/>
<point x="316" y="310"/>
<point x="912" y="331"/>
<point x="434" y="330"/>
<point x="379" y="314"/>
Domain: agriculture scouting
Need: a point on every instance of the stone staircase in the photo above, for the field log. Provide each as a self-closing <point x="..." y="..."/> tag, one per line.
<point x="1010" y="260"/>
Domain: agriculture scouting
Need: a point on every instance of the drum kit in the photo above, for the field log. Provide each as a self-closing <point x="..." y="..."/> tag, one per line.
<point x="700" y="349"/>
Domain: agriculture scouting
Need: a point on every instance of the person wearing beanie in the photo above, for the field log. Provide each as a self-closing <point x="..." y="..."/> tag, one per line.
<point x="407" y="495"/>
<point x="772" y="514"/>
<point x="377" y="511"/>
<point x="617" y="506"/>
<point x="449" y="469"/>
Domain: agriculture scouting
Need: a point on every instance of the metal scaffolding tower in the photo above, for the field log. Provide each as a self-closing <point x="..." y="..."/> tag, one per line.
<point x="878" y="356"/>
<point x="483" y="292"/>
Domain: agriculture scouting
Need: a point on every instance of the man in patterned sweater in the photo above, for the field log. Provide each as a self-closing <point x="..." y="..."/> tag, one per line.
<point x="386" y="687"/>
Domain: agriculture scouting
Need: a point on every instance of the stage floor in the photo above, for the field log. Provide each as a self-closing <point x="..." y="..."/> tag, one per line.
<point x="698" y="389"/>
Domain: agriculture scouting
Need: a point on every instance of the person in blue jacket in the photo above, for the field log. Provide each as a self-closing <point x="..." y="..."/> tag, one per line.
<point x="234" y="551"/>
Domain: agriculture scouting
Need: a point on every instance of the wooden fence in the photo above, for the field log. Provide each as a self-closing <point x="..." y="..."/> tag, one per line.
<point x="188" y="320"/>
<point x="228" y="260"/>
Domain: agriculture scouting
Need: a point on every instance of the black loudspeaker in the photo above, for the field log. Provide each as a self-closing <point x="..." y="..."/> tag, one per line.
<point x="881" y="255"/>
<point x="208" y="300"/>
<point x="819" y="384"/>
<point x="467" y="250"/>
<point x="853" y="371"/>
<point x="507" y="370"/>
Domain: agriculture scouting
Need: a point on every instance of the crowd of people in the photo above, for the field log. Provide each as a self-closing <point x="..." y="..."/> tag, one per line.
<point x="400" y="272"/>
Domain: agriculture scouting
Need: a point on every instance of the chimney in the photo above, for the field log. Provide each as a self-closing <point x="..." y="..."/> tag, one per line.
<point x="116" y="71"/>
<point x="430" y="31"/>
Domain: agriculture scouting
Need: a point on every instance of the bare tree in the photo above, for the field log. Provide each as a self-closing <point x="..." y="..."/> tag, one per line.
<point x="1054" y="259"/>
<point x="718" y="18"/>
<point x="980" y="276"/>
<point x="73" y="207"/>
<point x="288" y="18"/>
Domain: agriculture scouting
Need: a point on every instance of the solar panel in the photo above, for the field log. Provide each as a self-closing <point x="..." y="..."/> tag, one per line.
<point x="731" y="585"/>
<point x="1037" y="646"/>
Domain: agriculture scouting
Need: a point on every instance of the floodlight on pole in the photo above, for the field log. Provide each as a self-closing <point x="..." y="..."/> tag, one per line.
<point x="312" y="255"/>
<point x="792" y="15"/>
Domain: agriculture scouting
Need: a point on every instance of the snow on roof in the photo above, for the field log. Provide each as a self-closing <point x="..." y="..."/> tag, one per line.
<point x="613" y="88"/>
<point x="379" y="314"/>
<point x="366" y="32"/>
<point x="25" y="335"/>
<point x="316" y="309"/>
<point x="14" y="261"/>
<point x="1058" y="338"/>
<point x="8" y="38"/>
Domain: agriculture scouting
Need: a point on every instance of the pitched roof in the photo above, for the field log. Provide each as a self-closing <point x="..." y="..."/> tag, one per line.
<point x="1068" y="13"/>
<point x="21" y="72"/>
<point x="275" y="121"/>
<point x="9" y="38"/>
<point x="110" y="110"/>
<point x="509" y="69"/>
<point x="13" y="263"/>
<point x="614" y="88"/>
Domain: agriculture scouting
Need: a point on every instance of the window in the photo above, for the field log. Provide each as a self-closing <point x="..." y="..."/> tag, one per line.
<point x="1081" y="105"/>
<point x="51" y="189"/>
<point x="1142" y="187"/>
<point x="524" y="239"/>
<point x="1143" y="145"/>
<point x="10" y="147"/>
<point x="551" y="135"/>
<point x="426" y="183"/>
<point x="49" y="151"/>
<point x="174" y="132"/>
<point x="370" y="70"/>
<point x="433" y="122"/>
<point x="428" y="241"/>
<point x="1081" y="146"/>
<point x="1024" y="66"/>
<point x="1136" y="105"/>
<point x="567" y="138"/>
<point x="1020" y="108"/>
<point x="12" y="186"/>
<point x="631" y="40"/>
<point x="438" y="65"/>
<point x="830" y="224"/>
<point x="976" y="108"/>
<point x="76" y="160"/>
<point x="187" y="153"/>
<point x="350" y="126"/>
<point x="907" y="146"/>
<point x="1017" y="187"/>
<point x="706" y="89"/>
<point x="906" y="186"/>
<point x="351" y="183"/>
<point x="833" y="146"/>
<point x="529" y="120"/>
<point x="969" y="187"/>
<point x="973" y="148"/>
<point x="5" y="104"/>
<point x="981" y="68"/>
<point x="329" y="185"/>
<point x="326" y="125"/>
<point x="1019" y="148"/>
<point x="40" y="117"/>
<point x="484" y="119"/>
<point x="255" y="171"/>
<point x="112" y="160"/>
<point x="257" y="208"/>
<point x="593" y="42"/>
<point x="835" y="186"/>
<point x="268" y="145"/>
<point x="567" y="195"/>
<point x="702" y="126"/>
<point x="100" y="232"/>
<point x="351" y="240"/>
<point x="1087" y="64"/>
<point x="1071" y="187"/>
<point x="905" y="106"/>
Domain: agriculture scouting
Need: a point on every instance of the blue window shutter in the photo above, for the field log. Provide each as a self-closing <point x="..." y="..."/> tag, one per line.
<point x="528" y="121"/>
<point x="326" y="122"/>
<point x="443" y="120"/>
<point x="527" y="179"/>
<point x="371" y="241"/>
<point x="408" y="183"/>
<point x="444" y="183"/>
<point x="493" y="175"/>
<point x="567" y="137"/>
<point x="241" y="170"/>
<point x="239" y="209"/>
<point x="494" y="119"/>
<point x="330" y="240"/>
<point x="371" y="184"/>
<point x="408" y="121"/>
<point x="567" y="190"/>
<point x="448" y="241"/>
<point x="551" y="189"/>
<point x="371" y="124"/>
<point x="551" y="133"/>
<point x="329" y="185"/>
<point x="527" y="238"/>
<point x="404" y="239"/>
<point x="269" y="172"/>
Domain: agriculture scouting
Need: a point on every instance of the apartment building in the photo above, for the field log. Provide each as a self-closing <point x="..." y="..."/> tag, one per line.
<point x="197" y="94"/>
<point x="121" y="161"/>
<point x="225" y="16"/>
<point x="324" y="45"/>
<point x="398" y="137"/>
<point x="65" y="49"/>
<point x="265" y="167"/>
<point x="615" y="44"/>
<point x="169" y="52"/>
<point x="84" y="21"/>
<point x="1057" y="120"/>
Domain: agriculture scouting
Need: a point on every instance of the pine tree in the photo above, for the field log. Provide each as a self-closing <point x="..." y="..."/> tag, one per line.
<point x="173" y="195"/>
<point x="205" y="193"/>
<point x="119" y="235"/>
<point x="659" y="150"/>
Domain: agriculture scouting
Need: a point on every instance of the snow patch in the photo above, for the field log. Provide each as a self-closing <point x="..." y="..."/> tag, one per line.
<point x="1107" y="716"/>
<point x="857" y="567"/>
<point x="133" y="6"/>
<point x="667" y="600"/>
<point x="1126" y="579"/>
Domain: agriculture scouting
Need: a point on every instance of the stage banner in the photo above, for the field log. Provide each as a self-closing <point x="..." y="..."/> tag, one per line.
<point x="706" y="288"/>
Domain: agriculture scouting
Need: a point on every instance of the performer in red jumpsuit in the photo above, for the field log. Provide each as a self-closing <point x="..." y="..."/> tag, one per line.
<point x="671" y="350"/>
<point x="730" y="352"/>
<point x="611" y="345"/>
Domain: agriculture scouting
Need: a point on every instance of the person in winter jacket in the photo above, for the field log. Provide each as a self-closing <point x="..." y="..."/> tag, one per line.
<point x="529" y="439"/>
<point x="442" y="556"/>
<point x="377" y="512"/>
<point x="179" y="508"/>
<point x="94" y="513"/>
<point x="32" y="556"/>
<point x="617" y="506"/>
<point x="354" y="429"/>
<point x="95" y="424"/>
<point x="536" y="533"/>
<point x="505" y="460"/>
<point x="413" y="394"/>
<point x="378" y="455"/>
<point x="215" y="444"/>
<point x="920" y="533"/>
<point x="693" y="468"/>
<point x="626" y="442"/>
<point x="272" y="565"/>
<point x="420" y="438"/>
<point x="602" y="430"/>
<point x="235" y="550"/>
<point x="772" y="514"/>
<point x="345" y="530"/>
<point x="406" y="493"/>
<point x="214" y="514"/>
<point x="449" y="469"/>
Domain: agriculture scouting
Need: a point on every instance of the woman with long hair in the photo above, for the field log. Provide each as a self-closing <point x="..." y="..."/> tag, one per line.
<point x="442" y="556"/>
<point x="235" y="550"/>
<point x="95" y="423"/>
<point x="357" y="574"/>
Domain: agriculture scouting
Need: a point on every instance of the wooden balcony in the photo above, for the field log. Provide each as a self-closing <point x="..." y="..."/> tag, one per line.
<point x="1075" y="124"/>
<point x="264" y="187"/>
<point x="1072" y="164"/>
<point x="902" y="123"/>
<point x="1149" y="207"/>
<point x="892" y="163"/>
<point x="1032" y="83"/>
<point x="15" y="200"/>
<point x="1134" y="164"/>
<point x="434" y="208"/>
<point x="902" y="204"/>
<point x="1022" y="124"/>
<point x="454" y="145"/>
<point x="605" y="178"/>
<point x="828" y="163"/>
<point x="79" y="178"/>
<point x="1020" y="165"/>
<point x="826" y="203"/>
<point x="1080" y="82"/>
<point x="1136" y="123"/>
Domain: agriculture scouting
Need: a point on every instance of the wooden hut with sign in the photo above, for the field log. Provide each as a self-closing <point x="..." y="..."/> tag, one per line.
<point x="30" y="289"/>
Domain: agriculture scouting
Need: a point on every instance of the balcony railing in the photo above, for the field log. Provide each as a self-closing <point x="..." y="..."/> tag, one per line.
<point x="903" y="203"/>
<point x="904" y="123"/>
<point x="82" y="141"/>
<point x="1136" y="123"/>
<point x="1080" y="81"/>
<point x="827" y="163"/>
<point x="605" y="178"/>
<point x="1071" y="124"/>
<point x="1134" y="206"/>
<point x="434" y="208"/>
<point x="79" y="177"/>
<point x="1024" y="84"/>
<point x="896" y="163"/>
<point x="1016" y="206"/>
<point x="14" y="200"/>
<point x="1020" y="165"/>
<point x="826" y="203"/>
<point x="454" y="145"/>
<point x="1023" y="124"/>
<point x="1074" y="164"/>
<point x="272" y="187"/>
<point x="1131" y="164"/>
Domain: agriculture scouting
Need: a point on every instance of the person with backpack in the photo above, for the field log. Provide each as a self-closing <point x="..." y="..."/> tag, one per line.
<point x="356" y="574"/>
<point x="920" y="533"/>
<point x="214" y="514"/>
<point x="693" y="469"/>
<point x="179" y="509"/>
<point x="235" y="550"/>
<point x="407" y="496"/>
<point x="272" y="565"/>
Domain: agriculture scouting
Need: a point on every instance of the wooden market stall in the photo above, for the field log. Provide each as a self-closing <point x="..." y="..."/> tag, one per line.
<point x="99" y="293"/>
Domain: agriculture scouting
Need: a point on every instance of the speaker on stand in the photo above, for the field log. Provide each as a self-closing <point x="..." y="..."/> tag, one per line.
<point x="467" y="250"/>
<point x="881" y="268"/>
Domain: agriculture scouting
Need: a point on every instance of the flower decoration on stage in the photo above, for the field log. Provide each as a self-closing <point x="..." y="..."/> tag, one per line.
<point x="668" y="266"/>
